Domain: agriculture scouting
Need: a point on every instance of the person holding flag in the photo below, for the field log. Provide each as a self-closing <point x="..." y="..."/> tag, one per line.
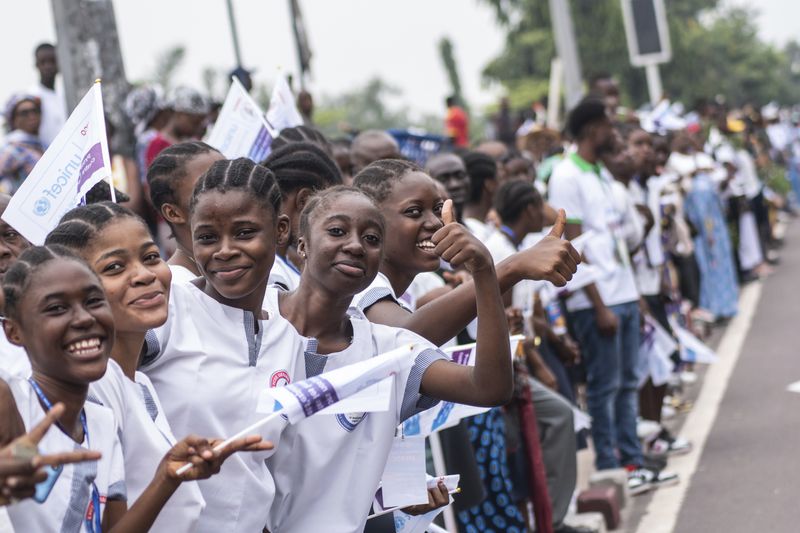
<point x="327" y="469"/>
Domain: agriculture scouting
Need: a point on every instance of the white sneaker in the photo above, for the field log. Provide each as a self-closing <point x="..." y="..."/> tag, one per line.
<point x="640" y="481"/>
<point x="647" y="430"/>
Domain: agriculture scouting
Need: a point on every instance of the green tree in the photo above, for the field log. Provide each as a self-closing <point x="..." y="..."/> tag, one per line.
<point x="362" y="108"/>
<point x="715" y="50"/>
<point x="451" y="68"/>
<point x="167" y="65"/>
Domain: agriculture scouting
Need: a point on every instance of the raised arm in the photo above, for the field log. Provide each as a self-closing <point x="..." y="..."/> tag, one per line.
<point x="552" y="259"/>
<point x="489" y="382"/>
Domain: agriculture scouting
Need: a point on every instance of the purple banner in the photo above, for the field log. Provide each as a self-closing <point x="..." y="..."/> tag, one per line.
<point x="314" y="394"/>
<point x="92" y="162"/>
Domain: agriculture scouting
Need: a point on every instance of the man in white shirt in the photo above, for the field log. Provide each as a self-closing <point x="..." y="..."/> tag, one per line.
<point x="54" y="106"/>
<point x="605" y="314"/>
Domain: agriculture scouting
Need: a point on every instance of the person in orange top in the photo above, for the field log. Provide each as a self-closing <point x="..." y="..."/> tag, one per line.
<point x="456" y="123"/>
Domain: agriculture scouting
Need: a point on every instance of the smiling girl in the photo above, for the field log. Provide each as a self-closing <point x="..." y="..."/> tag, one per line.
<point x="118" y="246"/>
<point x="57" y="310"/>
<point x="328" y="468"/>
<point x="220" y="348"/>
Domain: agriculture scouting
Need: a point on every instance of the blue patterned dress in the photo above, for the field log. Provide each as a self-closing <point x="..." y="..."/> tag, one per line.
<point x="719" y="290"/>
<point x="498" y="512"/>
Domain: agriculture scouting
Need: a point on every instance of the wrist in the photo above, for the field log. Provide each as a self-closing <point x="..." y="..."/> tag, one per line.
<point x="166" y="479"/>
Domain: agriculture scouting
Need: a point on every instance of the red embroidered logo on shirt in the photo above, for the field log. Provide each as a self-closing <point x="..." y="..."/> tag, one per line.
<point x="279" y="379"/>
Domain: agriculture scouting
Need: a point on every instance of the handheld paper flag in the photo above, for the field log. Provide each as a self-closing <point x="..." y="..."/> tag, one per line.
<point x="304" y="398"/>
<point x="282" y="112"/>
<point x="448" y="414"/>
<point x="692" y="349"/>
<point x="241" y="130"/>
<point x="655" y="349"/>
<point x="76" y="160"/>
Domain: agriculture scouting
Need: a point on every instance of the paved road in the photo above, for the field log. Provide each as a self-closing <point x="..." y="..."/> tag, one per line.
<point x="747" y="476"/>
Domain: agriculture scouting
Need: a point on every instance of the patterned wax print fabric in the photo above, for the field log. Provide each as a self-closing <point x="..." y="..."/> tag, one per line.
<point x="719" y="291"/>
<point x="18" y="155"/>
<point x="498" y="513"/>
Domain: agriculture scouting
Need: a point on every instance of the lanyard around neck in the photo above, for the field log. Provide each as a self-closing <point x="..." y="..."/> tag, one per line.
<point x="93" y="522"/>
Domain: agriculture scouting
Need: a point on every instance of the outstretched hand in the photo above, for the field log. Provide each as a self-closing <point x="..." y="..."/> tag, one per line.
<point x="552" y="259"/>
<point x="204" y="459"/>
<point x="21" y="466"/>
<point x="456" y="245"/>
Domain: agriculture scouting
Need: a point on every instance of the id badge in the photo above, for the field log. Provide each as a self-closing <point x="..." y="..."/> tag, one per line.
<point x="43" y="489"/>
<point x="404" y="478"/>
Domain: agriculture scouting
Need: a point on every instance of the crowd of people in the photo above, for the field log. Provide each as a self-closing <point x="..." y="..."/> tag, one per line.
<point x="580" y="242"/>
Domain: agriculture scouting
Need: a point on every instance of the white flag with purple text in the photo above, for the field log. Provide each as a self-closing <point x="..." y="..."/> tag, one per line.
<point x="75" y="161"/>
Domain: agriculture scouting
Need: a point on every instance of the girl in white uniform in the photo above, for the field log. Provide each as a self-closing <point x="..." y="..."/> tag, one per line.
<point x="327" y="468"/>
<point x="56" y="308"/>
<point x="300" y="168"/>
<point x="118" y="246"/>
<point x="412" y="204"/>
<point x="171" y="178"/>
<point x="219" y="347"/>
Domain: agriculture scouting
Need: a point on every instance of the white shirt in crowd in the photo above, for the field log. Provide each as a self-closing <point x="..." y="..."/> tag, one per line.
<point x="327" y="468"/>
<point x="587" y="195"/>
<point x="181" y="274"/>
<point x="54" y="111"/>
<point x="649" y="259"/>
<point x="13" y="359"/>
<point x="209" y="373"/>
<point x="284" y="274"/>
<point x="70" y="499"/>
<point x="146" y="437"/>
<point x="479" y="228"/>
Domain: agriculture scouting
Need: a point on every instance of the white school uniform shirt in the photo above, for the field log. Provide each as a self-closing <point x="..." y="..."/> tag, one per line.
<point x="13" y="359"/>
<point x="209" y="372"/>
<point x="588" y="197"/>
<point x="54" y="110"/>
<point x="181" y="274"/>
<point x="328" y="467"/>
<point x="379" y="289"/>
<point x="479" y="228"/>
<point x="146" y="437"/>
<point x="69" y="501"/>
<point x="284" y="274"/>
<point x="500" y="247"/>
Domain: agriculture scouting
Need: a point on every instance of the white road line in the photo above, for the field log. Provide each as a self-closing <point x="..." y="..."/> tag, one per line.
<point x="662" y="512"/>
<point x="794" y="387"/>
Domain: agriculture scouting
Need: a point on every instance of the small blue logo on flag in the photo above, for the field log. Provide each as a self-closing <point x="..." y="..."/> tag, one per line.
<point x="41" y="207"/>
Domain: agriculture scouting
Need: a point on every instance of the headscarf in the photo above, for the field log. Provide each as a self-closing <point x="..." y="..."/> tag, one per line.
<point x="13" y="102"/>
<point x="188" y="100"/>
<point x="143" y="104"/>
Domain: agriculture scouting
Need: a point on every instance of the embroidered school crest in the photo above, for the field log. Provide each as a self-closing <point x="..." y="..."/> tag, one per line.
<point x="349" y="421"/>
<point x="279" y="378"/>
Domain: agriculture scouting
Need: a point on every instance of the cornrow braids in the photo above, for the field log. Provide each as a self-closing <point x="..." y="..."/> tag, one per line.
<point x="378" y="178"/>
<point x="480" y="167"/>
<point x="18" y="277"/>
<point x="324" y="199"/>
<point x="80" y="226"/>
<point x="299" y="134"/>
<point x="302" y="164"/>
<point x="240" y="174"/>
<point x="169" y="167"/>
<point x="513" y="197"/>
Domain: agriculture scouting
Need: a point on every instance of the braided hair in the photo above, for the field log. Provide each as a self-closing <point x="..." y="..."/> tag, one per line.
<point x="302" y="164"/>
<point x="480" y="167"/>
<point x="80" y="226"/>
<point x="323" y="200"/>
<point x="297" y="134"/>
<point x="18" y="277"/>
<point x="169" y="167"/>
<point x="378" y="178"/>
<point x="513" y="197"/>
<point x="240" y="174"/>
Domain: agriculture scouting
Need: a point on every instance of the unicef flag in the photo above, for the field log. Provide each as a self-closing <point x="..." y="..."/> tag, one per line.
<point x="75" y="161"/>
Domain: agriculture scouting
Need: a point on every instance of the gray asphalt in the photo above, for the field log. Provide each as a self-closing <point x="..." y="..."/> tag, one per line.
<point x="748" y="476"/>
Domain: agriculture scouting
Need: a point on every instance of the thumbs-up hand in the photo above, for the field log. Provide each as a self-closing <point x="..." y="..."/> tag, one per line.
<point x="456" y="245"/>
<point x="552" y="259"/>
<point x="448" y="215"/>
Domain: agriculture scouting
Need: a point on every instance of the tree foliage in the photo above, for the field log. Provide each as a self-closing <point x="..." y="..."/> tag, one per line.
<point x="167" y="64"/>
<point x="716" y="50"/>
<point x="451" y="68"/>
